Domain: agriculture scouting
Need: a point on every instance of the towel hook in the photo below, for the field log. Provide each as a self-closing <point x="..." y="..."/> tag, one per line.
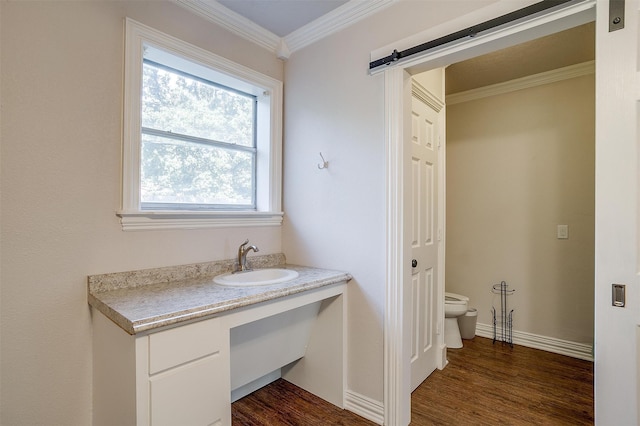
<point x="325" y="163"/>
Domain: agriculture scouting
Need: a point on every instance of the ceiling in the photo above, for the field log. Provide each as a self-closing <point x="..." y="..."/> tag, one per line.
<point x="284" y="26"/>
<point x="282" y="17"/>
<point x="570" y="47"/>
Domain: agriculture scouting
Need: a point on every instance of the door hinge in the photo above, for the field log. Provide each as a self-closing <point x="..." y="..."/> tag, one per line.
<point x="439" y="234"/>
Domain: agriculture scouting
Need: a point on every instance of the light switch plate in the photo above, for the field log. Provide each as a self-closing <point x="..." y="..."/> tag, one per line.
<point x="563" y="232"/>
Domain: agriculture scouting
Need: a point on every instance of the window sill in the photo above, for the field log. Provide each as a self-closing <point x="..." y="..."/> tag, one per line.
<point x="157" y="220"/>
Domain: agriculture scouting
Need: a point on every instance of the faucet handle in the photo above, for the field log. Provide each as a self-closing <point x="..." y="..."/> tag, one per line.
<point x="245" y="243"/>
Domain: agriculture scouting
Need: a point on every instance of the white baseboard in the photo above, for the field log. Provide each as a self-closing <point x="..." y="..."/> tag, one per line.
<point x="363" y="406"/>
<point x="549" y="344"/>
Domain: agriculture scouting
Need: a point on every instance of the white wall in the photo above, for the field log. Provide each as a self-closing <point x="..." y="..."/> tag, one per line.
<point x="335" y="218"/>
<point x="519" y="164"/>
<point x="61" y="94"/>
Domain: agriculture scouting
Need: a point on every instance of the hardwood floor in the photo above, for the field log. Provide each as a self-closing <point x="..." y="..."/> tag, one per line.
<point x="281" y="403"/>
<point x="484" y="384"/>
<point x="492" y="384"/>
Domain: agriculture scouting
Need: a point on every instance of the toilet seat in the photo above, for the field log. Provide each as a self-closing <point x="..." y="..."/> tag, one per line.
<point x="455" y="299"/>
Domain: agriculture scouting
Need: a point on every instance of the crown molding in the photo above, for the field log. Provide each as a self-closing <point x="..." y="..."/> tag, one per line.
<point x="547" y="77"/>
<point x="334" y="21"/>
<point x="218" y="14"/>
<point x="422" y="93"/>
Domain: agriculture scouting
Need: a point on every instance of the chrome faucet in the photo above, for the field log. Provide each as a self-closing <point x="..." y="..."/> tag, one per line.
<point x="242" y="256"/>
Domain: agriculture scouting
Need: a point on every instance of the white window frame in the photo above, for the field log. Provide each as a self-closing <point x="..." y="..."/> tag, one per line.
<point x="269" y="159"/>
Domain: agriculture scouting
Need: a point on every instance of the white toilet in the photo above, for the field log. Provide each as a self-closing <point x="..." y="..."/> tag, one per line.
<point x="455" y="305"/>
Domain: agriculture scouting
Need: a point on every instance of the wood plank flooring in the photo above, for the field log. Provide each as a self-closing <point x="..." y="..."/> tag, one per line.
<point x="492" y="384"/>
<point x="484" y="384"/>
<point x="281" y="403"/>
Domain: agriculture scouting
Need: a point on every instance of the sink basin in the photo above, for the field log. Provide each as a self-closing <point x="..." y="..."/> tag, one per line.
<point x="256" y="277"/>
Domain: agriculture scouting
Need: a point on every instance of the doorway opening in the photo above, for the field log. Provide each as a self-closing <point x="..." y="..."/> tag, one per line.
<point x="520" y="160"/>
<point x="520" y="163"/>
<point x="397" y="81"/>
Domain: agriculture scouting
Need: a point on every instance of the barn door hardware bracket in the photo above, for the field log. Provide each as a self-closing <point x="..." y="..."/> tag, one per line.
<point x="616" y="15"/>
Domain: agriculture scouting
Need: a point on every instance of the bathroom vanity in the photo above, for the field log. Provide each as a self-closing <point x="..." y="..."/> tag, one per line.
<point x="173" y="347"/>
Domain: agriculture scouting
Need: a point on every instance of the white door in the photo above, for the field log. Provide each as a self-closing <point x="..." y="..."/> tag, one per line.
<point x="425" y="140"/>
<point x="617" y="217"/>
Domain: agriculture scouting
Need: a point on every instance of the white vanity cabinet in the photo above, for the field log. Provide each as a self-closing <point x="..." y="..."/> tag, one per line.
<point x="174" y="352"/>
<point x="178" y="376"/>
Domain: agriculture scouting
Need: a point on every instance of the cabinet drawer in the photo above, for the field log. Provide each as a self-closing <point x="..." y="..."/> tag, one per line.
<point x="182" y="344"/>
<point x="193" y="394"/>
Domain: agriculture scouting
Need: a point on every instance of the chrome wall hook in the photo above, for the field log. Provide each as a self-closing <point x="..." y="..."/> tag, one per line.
<point x="325" y="163"/>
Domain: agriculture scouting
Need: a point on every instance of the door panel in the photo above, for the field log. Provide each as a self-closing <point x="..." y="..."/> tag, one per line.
<point x="617" y="221"/>
<point x="424" y="244"/>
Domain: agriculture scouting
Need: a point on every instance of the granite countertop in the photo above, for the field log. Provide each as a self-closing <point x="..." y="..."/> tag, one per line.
<point x="144" y="300"/>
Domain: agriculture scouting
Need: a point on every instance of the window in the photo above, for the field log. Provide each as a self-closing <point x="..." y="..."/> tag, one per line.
<point x="202" y="138"/>
<point x="198" y="145"/>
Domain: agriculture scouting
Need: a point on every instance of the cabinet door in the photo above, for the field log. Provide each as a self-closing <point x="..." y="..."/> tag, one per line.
<point x="192" y="394"/>
<point x="189" y="375"/>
